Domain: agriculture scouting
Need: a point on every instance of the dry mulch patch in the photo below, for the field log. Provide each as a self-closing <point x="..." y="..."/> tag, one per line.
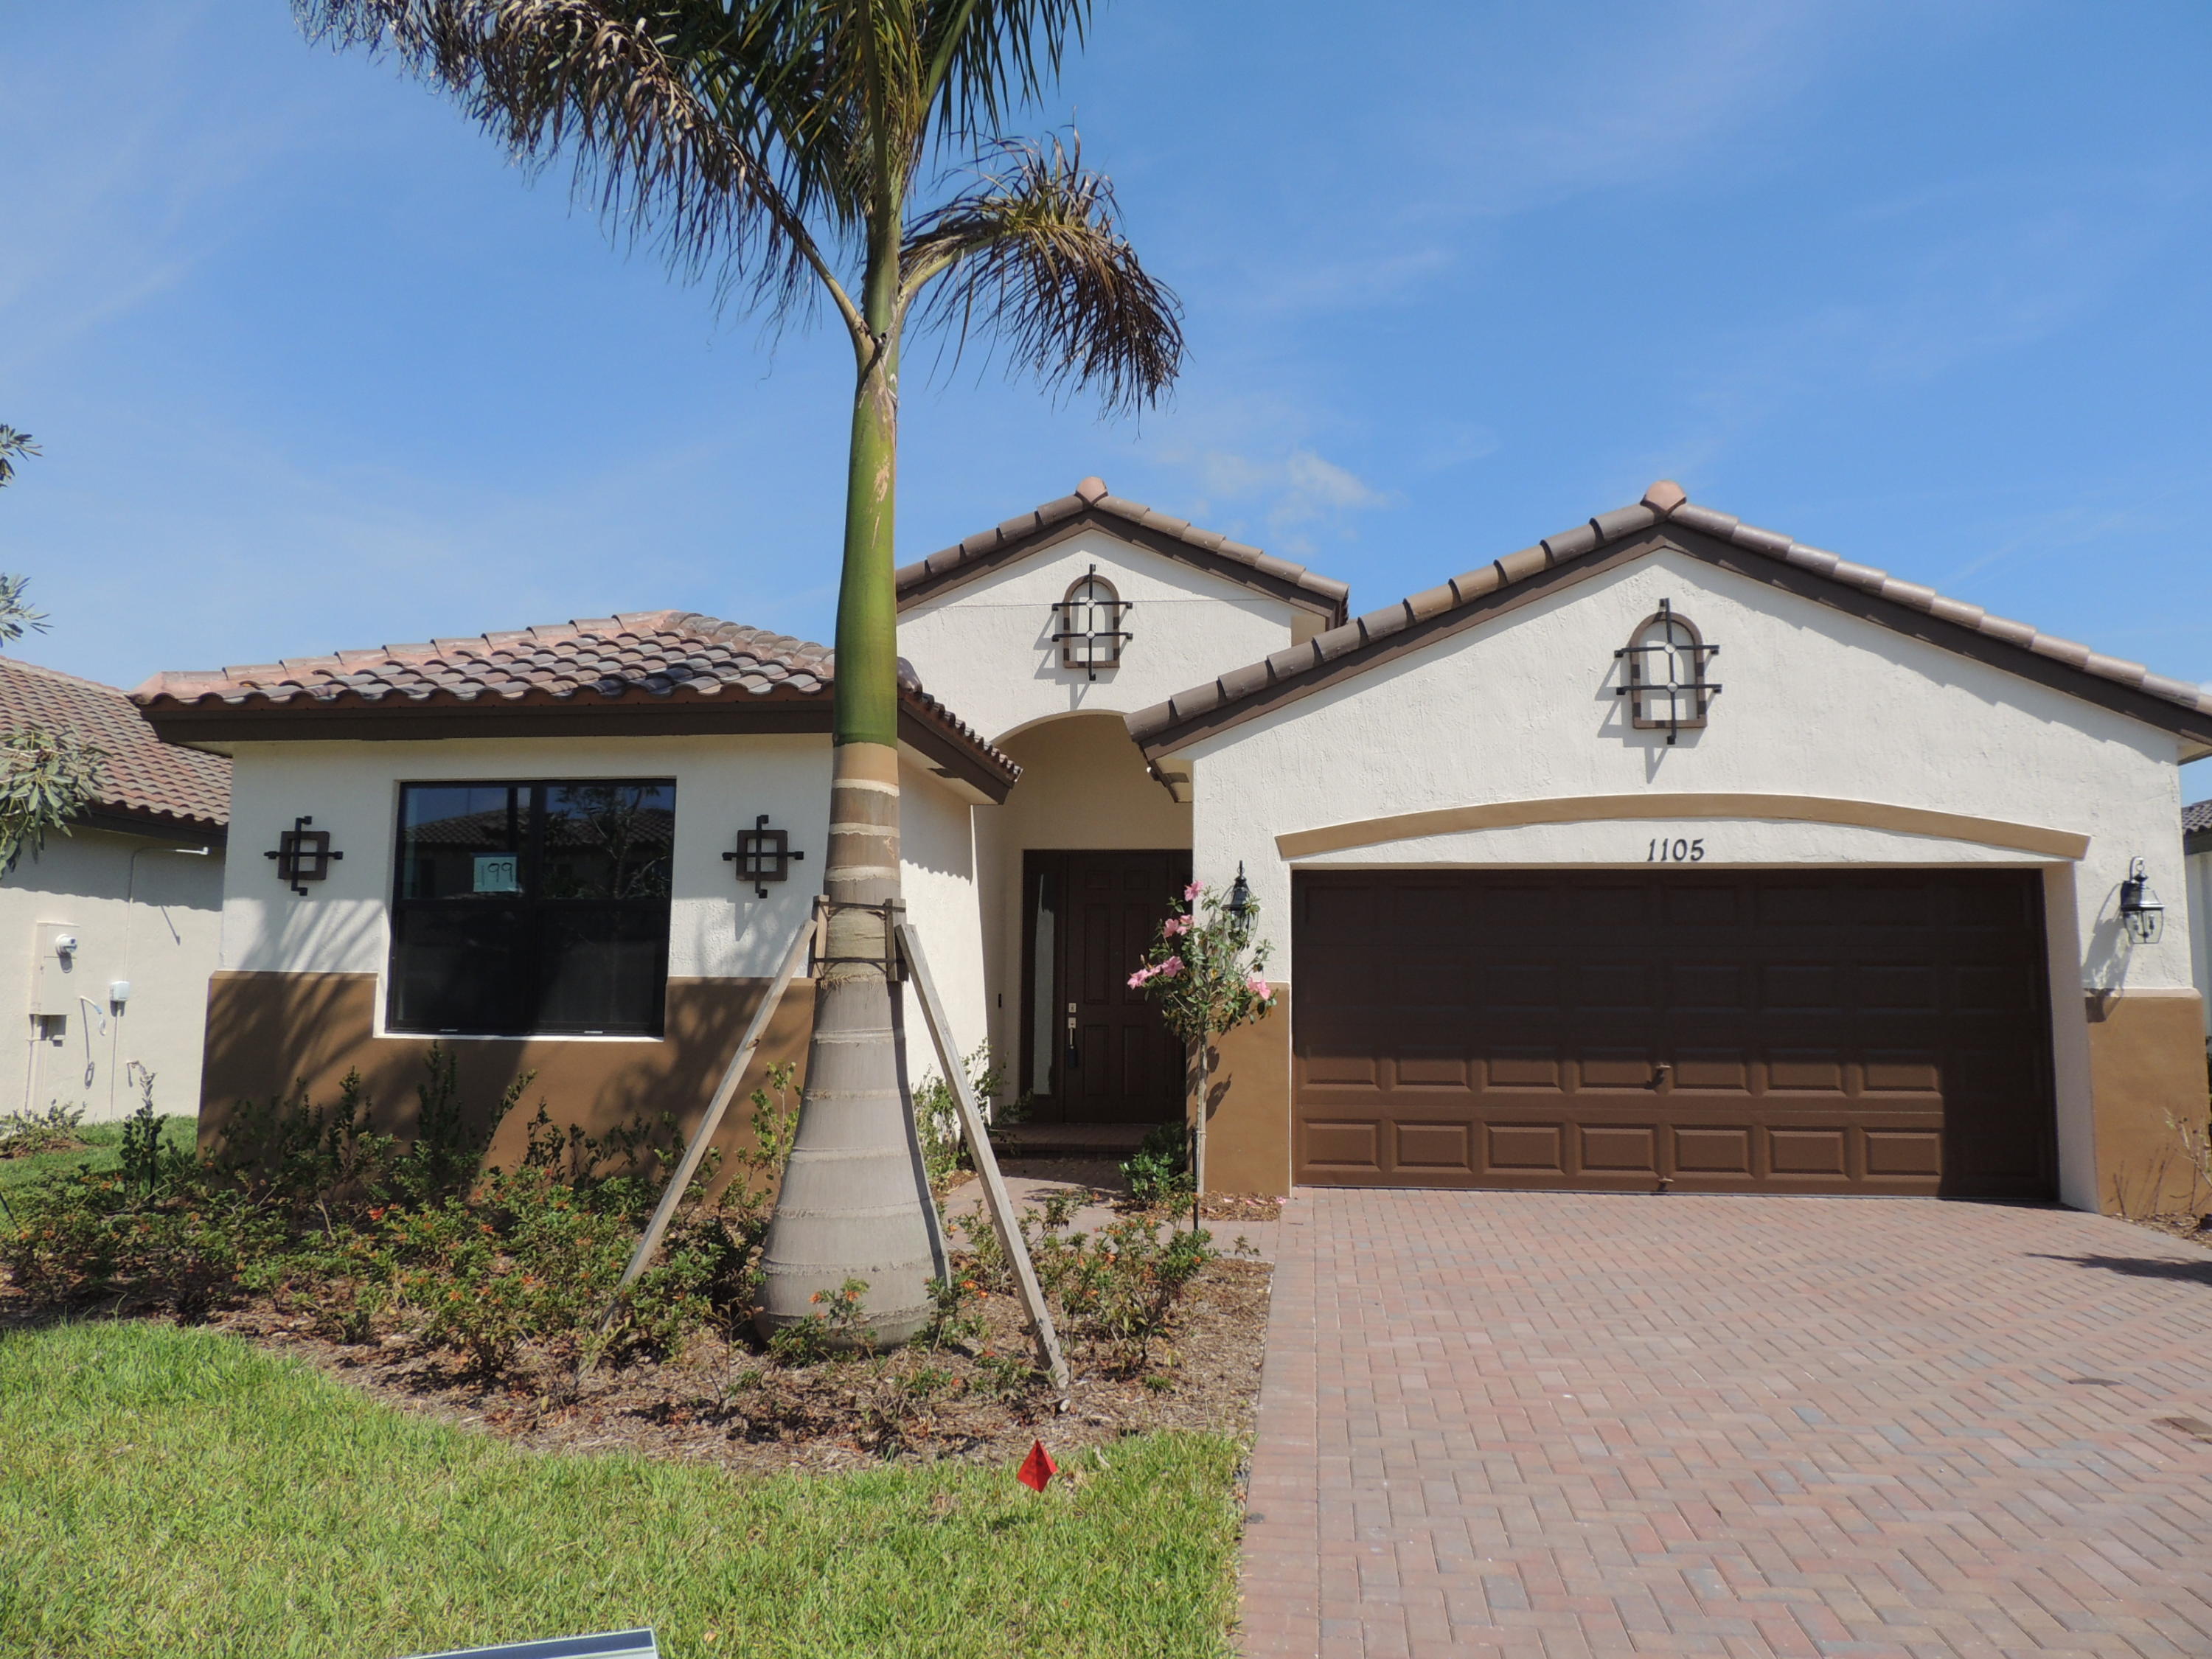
<point x="2197" y="1229"/>
<point x="727" y="1403"/>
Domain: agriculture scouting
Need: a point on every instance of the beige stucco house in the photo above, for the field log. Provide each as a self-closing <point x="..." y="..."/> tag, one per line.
<point x="112" y="931"/>
<point x="1665" y="853"/>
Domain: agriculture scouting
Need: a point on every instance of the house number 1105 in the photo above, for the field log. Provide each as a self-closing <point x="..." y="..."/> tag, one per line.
<point x="1662" y="851"/>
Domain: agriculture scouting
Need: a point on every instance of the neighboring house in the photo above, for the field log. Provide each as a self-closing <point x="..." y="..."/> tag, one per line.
<point x="1667" y="853"/>
<point x="2196" y="859"/>
<point x="135" y="891"/>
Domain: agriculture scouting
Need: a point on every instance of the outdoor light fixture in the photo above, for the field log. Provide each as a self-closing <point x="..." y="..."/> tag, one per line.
<point x="2141" y="913"/>
<point x="1666" y="688"/>
<point x="763" y="855"/>
<point x="303" y="855"/>
<point x="1240" y="899"/>
<point x="1087" y="625"/>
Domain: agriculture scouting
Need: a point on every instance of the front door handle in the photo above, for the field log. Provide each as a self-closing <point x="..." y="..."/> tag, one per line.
<point x="1074" y="1060"/>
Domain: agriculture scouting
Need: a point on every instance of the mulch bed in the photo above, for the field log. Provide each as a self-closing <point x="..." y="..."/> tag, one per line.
<point x="727" y="1403"/>
<point x="2197" y="1229"/>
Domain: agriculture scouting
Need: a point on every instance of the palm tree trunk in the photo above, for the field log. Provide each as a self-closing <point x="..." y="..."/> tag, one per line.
<point x="855" y="1202"/>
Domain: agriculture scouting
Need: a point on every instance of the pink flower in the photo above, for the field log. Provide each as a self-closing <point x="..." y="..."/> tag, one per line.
<point x="1174" y="926"/>
<point x="1170" y="968"/>
<point x="1257" y="985"/>
<point x="1192" y="892"/>
<point x="1138" y="979"/>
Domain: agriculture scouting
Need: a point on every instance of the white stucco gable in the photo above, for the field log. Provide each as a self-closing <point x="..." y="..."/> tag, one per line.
<point x="1822" y="717"/>
<point x="977" y="621"/>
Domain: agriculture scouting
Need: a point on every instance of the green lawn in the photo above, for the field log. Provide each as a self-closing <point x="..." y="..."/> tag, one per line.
<point x="175" y="1493"/>
<point x="104" y="1143"/>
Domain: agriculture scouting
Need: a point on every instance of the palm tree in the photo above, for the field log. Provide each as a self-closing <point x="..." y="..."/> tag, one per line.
<point x="851" y="150"/>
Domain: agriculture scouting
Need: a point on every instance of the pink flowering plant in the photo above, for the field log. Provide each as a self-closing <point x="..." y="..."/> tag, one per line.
<point x="1206" y="970"/>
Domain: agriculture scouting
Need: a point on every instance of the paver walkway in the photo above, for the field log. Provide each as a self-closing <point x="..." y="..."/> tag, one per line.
<point x="1552" y="1425"/>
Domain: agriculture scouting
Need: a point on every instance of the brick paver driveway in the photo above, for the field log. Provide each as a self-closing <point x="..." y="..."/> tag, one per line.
<point x="1552" y="1424"/>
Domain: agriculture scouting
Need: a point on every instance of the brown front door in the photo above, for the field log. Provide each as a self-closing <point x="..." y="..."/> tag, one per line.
<point x="1099" y="1051"/>
<point x="1807" y="1031"/>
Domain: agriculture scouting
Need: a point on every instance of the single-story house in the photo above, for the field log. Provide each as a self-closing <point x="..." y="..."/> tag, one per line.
<point x="118" y="924"/>
<point x="1666" y="852"/>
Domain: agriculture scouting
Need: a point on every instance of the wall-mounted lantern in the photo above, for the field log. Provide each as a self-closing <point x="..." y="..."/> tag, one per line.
<point x="1239" y="905"/>
<point x="763" y="855"/>
<point x="2141" y="913"/>
<point x="1087" y="625"/>
<point x="303" y="855"/>
<point x="1667" y="687"/>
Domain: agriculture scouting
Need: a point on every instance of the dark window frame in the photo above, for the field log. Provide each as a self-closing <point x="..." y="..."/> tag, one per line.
<point x="534" y="923"/>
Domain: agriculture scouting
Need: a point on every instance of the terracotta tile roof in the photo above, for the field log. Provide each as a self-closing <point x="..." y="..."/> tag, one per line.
<point x="142" y="775"/>
<point x="1663" y="503"/>
<point x="676" y="656"/>
<point x="2197" y="817"/>
<point x="1093" y="501"/>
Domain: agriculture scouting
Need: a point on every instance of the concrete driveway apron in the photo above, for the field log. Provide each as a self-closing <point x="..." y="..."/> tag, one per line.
<point x="1553" y="1424"/>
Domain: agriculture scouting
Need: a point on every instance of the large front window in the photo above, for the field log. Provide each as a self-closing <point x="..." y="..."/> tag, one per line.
<point x="527" y="908"/>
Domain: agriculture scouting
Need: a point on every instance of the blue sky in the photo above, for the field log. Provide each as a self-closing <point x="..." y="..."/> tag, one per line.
<point x="314" y="366"/>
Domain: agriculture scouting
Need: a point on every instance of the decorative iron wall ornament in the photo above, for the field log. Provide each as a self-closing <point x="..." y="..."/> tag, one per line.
<point x="1665" y="678"/>
<point x="763" y="855"/>
<point x="303" y="855"/>
<point x="1088" y="624"/>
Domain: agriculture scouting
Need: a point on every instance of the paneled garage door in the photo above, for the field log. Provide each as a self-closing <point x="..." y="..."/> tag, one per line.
<point x="1822" y="1031"/>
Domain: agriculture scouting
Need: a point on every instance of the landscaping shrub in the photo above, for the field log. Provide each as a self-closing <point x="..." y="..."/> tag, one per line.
<point x="26" y="1134"/>
<point x="1158" y="1173"/>
<point x="937" y="1116"/>
<point x="307" y="1209"/>
<point x="307" y="1204"/>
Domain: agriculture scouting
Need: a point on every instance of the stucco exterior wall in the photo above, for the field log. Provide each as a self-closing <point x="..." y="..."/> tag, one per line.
<point x="717" y="929"/>
<point x="1813" y="704"/>
<point x="2197" y="903"/>
<point x="985" y="646"/>
<point x="141" y="911"/>
<point x="937" y="844"/>
<point x="306" y="973"/>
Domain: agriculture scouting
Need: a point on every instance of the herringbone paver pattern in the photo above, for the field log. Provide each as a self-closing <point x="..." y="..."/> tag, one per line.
<point x="1553" y="1425"/>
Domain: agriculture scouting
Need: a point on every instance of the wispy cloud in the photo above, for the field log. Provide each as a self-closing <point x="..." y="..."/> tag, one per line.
<point x="1291" y="490"/>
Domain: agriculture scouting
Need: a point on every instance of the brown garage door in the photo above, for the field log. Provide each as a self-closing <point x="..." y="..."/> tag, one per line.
<point x="1825" y="1032"/>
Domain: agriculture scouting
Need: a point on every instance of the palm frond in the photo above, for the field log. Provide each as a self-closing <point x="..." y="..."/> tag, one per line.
<point x="1033" y="256"/>
<point x="679" y="117"/>
<point x="986" y="59"/>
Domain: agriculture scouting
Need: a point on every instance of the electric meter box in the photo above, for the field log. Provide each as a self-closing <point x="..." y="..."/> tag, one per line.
<point x="58" y="974"/>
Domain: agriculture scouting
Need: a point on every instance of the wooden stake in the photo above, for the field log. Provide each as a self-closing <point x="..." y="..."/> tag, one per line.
<point x="794" y="957"/>
<point x="987" y="1163"/>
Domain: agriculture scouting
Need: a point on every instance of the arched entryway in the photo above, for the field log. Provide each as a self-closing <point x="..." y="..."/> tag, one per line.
<point x="1084" y="858"/>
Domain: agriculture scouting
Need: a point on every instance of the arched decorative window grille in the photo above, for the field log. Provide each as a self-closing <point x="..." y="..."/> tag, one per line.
<point x="1088" y="624"/>
<point x="1665" y="679"/>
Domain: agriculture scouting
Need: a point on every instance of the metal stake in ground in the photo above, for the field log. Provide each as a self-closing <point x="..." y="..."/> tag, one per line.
<point x="987" y="1162"/>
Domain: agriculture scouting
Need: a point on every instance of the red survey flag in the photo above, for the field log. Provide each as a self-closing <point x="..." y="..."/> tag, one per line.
<point x="1038" y="1468"/>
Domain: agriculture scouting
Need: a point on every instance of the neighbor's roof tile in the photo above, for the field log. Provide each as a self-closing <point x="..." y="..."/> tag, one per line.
<point x="140" y="773"/>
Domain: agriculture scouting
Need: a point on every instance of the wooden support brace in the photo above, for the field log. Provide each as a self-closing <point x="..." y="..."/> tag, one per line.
<point x="1050" y="1359"/>
<point x="794" y="957"/>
